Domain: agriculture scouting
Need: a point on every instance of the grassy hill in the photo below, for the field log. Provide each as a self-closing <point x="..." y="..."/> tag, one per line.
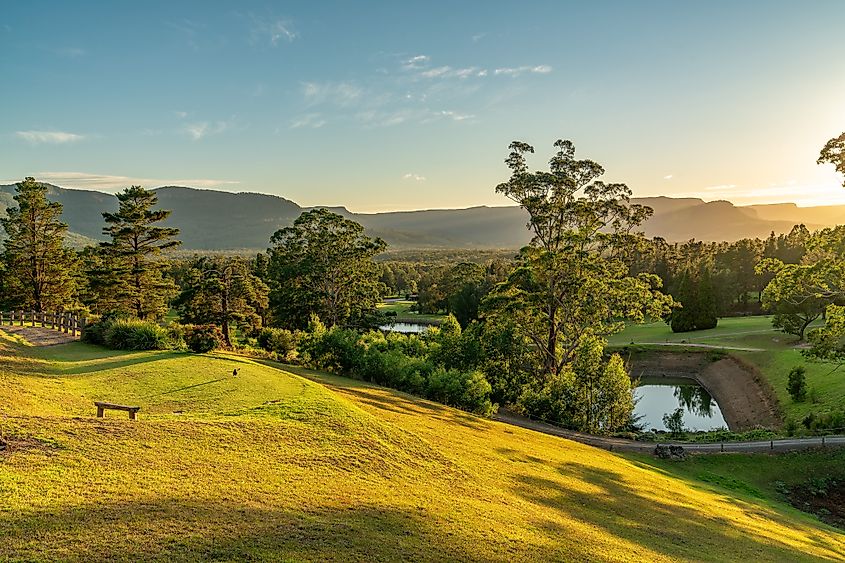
<point x="270" y="464"/>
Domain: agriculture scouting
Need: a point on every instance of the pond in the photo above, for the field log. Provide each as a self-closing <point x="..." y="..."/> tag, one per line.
<point x="405" y="328"/>
<point x="657" y="396"/>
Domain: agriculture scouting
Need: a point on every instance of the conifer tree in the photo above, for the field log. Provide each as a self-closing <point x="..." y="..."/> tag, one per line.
<point x="133" y="275"/>
<point x="37" y="267"/>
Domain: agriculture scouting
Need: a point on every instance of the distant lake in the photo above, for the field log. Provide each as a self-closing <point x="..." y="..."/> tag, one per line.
<point x="661" y="395"/>
<point x="405" y="328"/>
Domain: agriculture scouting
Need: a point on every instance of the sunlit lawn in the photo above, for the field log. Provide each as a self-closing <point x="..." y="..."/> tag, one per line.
<point x="270" y="465"/>
<point x="404" y="313"/>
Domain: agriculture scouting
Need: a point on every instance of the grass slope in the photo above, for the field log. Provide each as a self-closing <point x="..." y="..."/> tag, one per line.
<point x="779" y="354"/>
<point x="271" y="465"/>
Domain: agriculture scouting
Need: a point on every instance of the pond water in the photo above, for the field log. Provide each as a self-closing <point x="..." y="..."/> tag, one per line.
<point x="405" y="328"/>
<point x="657" y="396"/>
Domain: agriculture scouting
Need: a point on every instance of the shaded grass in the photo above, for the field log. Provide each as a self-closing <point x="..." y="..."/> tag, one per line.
<point x="270" y="465"/>
<point x="755" y="476"/>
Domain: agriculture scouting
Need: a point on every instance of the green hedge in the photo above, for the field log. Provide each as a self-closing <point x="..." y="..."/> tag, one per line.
<point x="127" y="334"/>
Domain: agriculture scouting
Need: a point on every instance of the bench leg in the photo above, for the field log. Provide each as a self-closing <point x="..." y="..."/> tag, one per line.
<point x="131" y="415"/>
<point x="99" y="412"/>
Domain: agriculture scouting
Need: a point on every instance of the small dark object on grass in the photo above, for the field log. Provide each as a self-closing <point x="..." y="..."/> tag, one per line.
<point x="235" y="372"/>
<point x="2" y="445"/>
<point x="670" y="452"/>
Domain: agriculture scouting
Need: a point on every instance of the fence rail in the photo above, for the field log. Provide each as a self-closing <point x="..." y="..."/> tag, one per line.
<point x="69" y="323"/>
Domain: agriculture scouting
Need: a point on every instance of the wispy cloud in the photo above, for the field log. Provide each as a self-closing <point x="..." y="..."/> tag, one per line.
<point x="109" y="182"/>
<point x="271" y="31"/>
<point x="478" y="37"/>
<point x="455" y="116"/>
<point x="415" y="62"/>
<point x="49" y="137"/>
<point x="520" y="70"/>
<point x="309" y="120"/>
<point x="668" y="177"/>
<point x="338" y="93"/>
<point x="449" y="72"/>
<point x="181" y="114"/>
<point x="201" y="129"/>
<point x="413" y="176"/>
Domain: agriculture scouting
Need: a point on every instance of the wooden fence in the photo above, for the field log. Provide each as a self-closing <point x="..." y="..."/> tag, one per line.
<point x="69" y="323"/>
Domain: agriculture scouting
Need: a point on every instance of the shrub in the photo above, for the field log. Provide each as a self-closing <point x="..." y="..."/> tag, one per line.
<point x="135" y="335"/>
<point x="467" y="390"/>
<point x="203" y="338"/>
<point x="176" y="335"/>
<point x="278" y="340"/>
<point x="797" y="384"/>
<point x="94" y="331"/>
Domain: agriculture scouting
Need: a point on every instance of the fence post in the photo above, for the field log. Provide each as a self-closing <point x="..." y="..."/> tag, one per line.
<point x="73" y="324"/>
<point x="772" y="444"/>
<point x="822" y="440"/>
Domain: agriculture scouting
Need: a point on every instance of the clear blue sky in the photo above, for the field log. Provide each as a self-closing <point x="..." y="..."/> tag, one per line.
<point x="385" y="105"/>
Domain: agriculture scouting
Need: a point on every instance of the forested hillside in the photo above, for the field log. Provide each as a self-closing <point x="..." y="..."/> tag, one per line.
<point x="218" y="220"/>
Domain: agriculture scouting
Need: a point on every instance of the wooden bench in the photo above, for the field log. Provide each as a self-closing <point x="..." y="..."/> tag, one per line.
<point x="102" y="406"/>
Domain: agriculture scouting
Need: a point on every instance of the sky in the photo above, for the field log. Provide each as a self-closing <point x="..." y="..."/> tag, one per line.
<point x="398" y="105"/>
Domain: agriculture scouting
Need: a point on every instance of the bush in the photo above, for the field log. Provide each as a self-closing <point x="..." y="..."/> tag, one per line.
<point x="278" y="340"/>
<point x="94" y="332"/>
<point x="797" y="384"/>
<point x="203" y="338"/>
<point x="135" y="335"/>
<point x="467" y="390"/>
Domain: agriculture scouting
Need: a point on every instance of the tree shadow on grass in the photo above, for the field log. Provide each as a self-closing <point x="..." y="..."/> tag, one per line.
<point x="188" y="530"/>
<point x="126" y="359"/>
<point x="388" y="399"/>
<point x="672" y="529"/>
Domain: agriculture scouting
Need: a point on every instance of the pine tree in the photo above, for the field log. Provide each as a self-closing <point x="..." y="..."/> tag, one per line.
<point x="37" y="267"/>
<point x="133" y="275"/>
<point x="707" y="309"/>
<point x="683" y="318"/>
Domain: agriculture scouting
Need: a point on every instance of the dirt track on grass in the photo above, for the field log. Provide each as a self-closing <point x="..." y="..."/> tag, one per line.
<point x="744" y="397"/>
<point x="38" y="336"/>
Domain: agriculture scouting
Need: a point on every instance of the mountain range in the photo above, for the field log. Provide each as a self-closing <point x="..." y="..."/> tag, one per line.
<point x="217" y="220"/>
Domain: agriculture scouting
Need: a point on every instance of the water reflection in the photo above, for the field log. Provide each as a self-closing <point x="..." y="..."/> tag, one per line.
<point x="694" y="398"/>
<point x="661" y="395"/>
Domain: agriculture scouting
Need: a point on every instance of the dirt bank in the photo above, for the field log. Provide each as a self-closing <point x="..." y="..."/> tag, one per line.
<point x="743" y="396"/>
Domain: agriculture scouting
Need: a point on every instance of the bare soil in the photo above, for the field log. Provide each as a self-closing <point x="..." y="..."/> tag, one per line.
<point x="744" y="397"/>
<point x="38" y="336"/>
